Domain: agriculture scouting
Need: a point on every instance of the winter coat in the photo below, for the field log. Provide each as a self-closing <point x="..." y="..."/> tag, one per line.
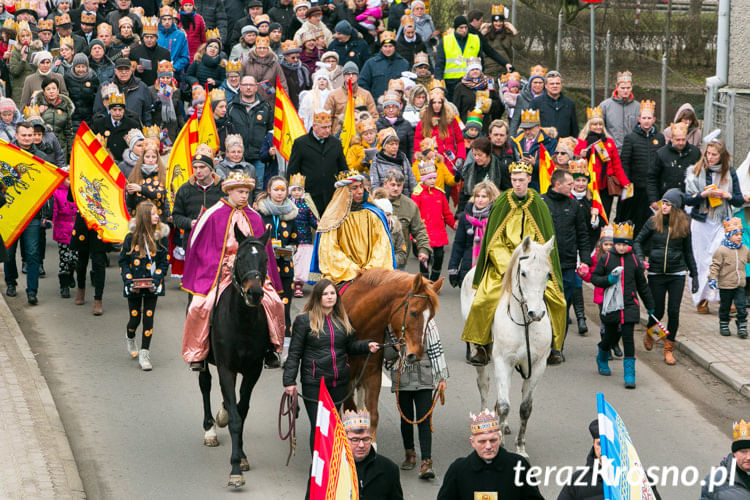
<point x="240" y="51"/>
<point x="214" y="15"/>
<point x="59" y="117"/>
<point x="378" y="478"/>
<point x="153" y="54"/>
<point x="435" y="213"/>
<point x="104" y="69"/>
<point x="524" y="101"/>
<point x="306" y="221"/>
<point x="355" y="50"/>
<point x="466" y="238"/>
<point x="670" y="170"/>
<point x="19" y="70"/>
<point x="252" y="122"/>
<point x="503" y="45"/>
<point x="638" y="154"/>
<point x="137" y="99"/>
<point x="465" y="100"/>
<point x="204" y="68"/>
<point x="728" y="267"/>
<point x="153" y="191"/>
<point x="282" y="14"/>
<point x="191" y="200"/>
<point x="397" y="239"/>
<point x="695" y="134"/>
<point x="8" y="130"/>
<point x="620" y="116"/>
<point x="666" y="255"/>
<point x="336" y="104"/>
<point x="453" y="142"/>
<point x="319" y="163"/>
<point x="613" y="167"/>
<point x="405" y="133"/>
<point x="284" y="230"/>
<point x="322" y="355"/>
<point x="265" y="70"/>
<point x="407" y="49"/>
<point x="585" y="205"/>
<point x="411" y="223"/>
<point x="133" y="266"/>
<point x="598" y="291"/>
<point x="571" y="232"/>
<point x="83" y="92"/>
<point x="700" y="204"/>
<point x="723" y="490"/>
<point x="444" y="176"/>
<point x="196" y="36"/>
<point x="496" y="171"/>
<point x="632" y="279"/>
<point x="521" y="148"/>
<point x="379" y="70"/>
<point x="173" y="127"/>
<point x="297" y="79"/>
<point x="382" y="164"/>
<point x="115" y="135"/>
<point x="559" y="113"/>
<point x="50" y="146"/>
<point x="63" y="215"/>
<point x="175" y="41"/>
<point x="33" y="84"/>
<point x="308" y="26"/>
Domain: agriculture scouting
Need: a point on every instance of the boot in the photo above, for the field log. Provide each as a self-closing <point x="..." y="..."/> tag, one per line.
<point x="425" y="471"/>
<point x="410" y="461"/>
<point x="610" y="357"/>
<point x="80" y="296"/>
<point x="578" y="307"/>
<point x="724" y="328"/>
<point x="97" y="308"/>
<point x="628" y="365"/>
<point x="668" y="352"/>
<point x="602" y="363"/>
<point x="434" y="276"/>
<point x="742" y="328"/>
<point x="702" y="307"/>
<point x="65" y="292"/>
<point x="481" y="355"/>
<point x="648" y="341"/>
<point x="616" y="349"/>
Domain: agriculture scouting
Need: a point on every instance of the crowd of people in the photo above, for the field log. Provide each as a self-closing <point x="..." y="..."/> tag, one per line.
<point x="449" y="135"/>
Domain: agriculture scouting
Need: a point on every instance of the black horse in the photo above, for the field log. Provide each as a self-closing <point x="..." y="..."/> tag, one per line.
<point x="239" y="338"/>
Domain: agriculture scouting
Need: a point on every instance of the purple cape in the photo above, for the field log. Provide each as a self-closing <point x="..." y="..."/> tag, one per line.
<point x="205" y="250"/>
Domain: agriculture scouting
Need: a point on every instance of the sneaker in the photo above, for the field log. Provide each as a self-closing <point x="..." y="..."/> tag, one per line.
<point x="144" y="359"/>
<point x="132" y="348"/>
<point x="33" y="300"/>
<point x="42" y="272"/>
<point x="24" y="268"/>
<point x="555" y="358"/>
<point x="11" y="291"/>
<point x="65" y="292"/>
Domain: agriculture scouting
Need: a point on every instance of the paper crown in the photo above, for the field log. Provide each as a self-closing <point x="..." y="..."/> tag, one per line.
<point x="198" y="92"/>
<point x="623" y="231"/>
<point x="166" y="10"/>
<point x="678" y="128"/>
<point x="530" y="117"/>
<point x="607" y="233"/>
<point x="365" y="125"/>
<point x="407" y="20"/>
<point x="116" y="99"/>
<point x="262" y="18"/>
<point x="217" y="95"/>
<point x="108" y="89"/>
<point x="515" y="76"/>
<point x="24" y="5"/>
<point x="31" y="111"/>
<point x="307" y="36"/>
<point x="151" y="144"/>
<point x="62" y="19"/>
<point x="317" y="33"/>
<point x="356" y="420"/>
<point x="648" y="106"/>
<point x="238" y="179"/>
<point x="624" y="76"/>
<point x="427" y="169"/>
<point x="538" y="70"/>
<point x="387" y="37"/>
<point x="23" y="26"/>
<point x="385" y="134"/>
<point x="150" y="25"/>
<point x="396" y="84"/>
<point x="521" y="166"/>
<point x="289" y="45"/>
<point x="592" y="113"/>
<point x="421" y="59"/>
<point x="233" y="140"/>
<point x="67" y="40"/>
<point x="46" y="25"/>
<point x="486" y="421"/>
<point x="133" y="134"/>
<point x="348" y="177"/>
<point x="436" y="84"/>
<point x="297" y="180"/>
<point x="732" y="224"/>
<point x="566" y="144"/>
<point x="213" y="34"/>
<point x="262" y="41"/>
<point x="138" y="11"/>
<point x="497" y="10"/>
<point x="151" y="132"/>
<point x="322" y="117"/>
<point x="88" y="18"/>
<point x="106" y="28"/>
<point x="426" y="144"/>
<point x="578" y="168"/>
<point x="437" y="93"/>
<point x="164" y="66"/>
<point x="740" y="431"/>
<point x="391" y="98"/>
<point x="234" y="67"/>
<point x="10" y="24"/>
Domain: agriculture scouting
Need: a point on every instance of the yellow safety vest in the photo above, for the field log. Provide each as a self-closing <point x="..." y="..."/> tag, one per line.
<point x="455" y="61"/>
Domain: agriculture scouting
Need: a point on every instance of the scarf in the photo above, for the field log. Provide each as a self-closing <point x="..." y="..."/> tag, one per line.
<point x="148" y="170"/>
<point x="478" y="221"/>
<point x="54" y="103"/>
<point x="296" y="67"/>
<point x="697" y="184"/>
<point x="209" y="61"/>
<point x="81" y="78"/>
<point x="479" y="83"/>
<point x="727" y="243"/>
<point x="168" y="114"/>
<point x="593" y="138"/>
<point x="272" y="208"/>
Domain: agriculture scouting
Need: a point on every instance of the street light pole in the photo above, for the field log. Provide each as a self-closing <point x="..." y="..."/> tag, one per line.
<point x="593" y="62"/>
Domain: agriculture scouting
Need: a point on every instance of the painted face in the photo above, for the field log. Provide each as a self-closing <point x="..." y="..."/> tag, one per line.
<point x="278" y="191"/>
<point x="154" y="216"/>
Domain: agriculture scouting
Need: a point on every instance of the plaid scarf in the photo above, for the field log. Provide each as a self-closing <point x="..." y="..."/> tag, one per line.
<point x="434" y="352"/>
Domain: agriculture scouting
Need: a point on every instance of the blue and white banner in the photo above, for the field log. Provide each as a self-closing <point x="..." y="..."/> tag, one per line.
<point x="624" y="475"/>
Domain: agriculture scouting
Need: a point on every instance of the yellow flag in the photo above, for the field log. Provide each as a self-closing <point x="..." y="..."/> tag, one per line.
<point x="98" y="187"/>
<point x="29" y="181"/>
<point x="287" y="125"/>
<point x="348" y="130"/>
<point x="207" y="133"/>
<point x="181" y="157"/>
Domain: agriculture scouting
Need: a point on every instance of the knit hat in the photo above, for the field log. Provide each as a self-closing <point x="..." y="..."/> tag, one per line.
<point x="533" y="77"/>
<point x="474" y="119"/>
<point x="7" y="104"/>
<point x="351" y="67"/>
<point x="673" y="197"/>
<point x="248" y="29"/>
<point x="274" y="26"/>
<point x="42" y="55"/>
<point x="200" y="159"/>
<point x="513" y="84"/>
<point x="344" y="28"/>
<point x="594" y="428"/>
<point x="96" y="41"/>
<point x="328" y="54"/>
<point x="460" y="21"/>
<point x="80" y="58"/>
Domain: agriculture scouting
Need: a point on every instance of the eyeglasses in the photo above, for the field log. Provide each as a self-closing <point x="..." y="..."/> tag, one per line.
<point x="248" y="84"/>
<point x="356" y="441"/>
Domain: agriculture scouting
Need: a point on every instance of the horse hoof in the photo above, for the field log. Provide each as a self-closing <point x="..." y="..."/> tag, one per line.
<point x="212" y="442"/>
<point x="506" y="429"/>
<point x="236" y="480"/>
<point x="521" y="450"/>
<point x="222" y="417"/>
<point x="244" y="465"/>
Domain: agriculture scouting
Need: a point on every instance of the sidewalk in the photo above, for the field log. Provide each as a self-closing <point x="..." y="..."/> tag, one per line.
<point x="37" y="459"/>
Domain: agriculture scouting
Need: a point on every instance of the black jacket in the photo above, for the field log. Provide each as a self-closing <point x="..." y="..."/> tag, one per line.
<point x="633" y="280"/>
<point x="214" y="15"/>
<point x="497" y="172"/>
<point x="405" y="133"/>
<point x="669" y="170"/>
<point x="190" y="200"/>
<point x="282" y="14"/>
<point x="408" y="49"/>
<point x="319" y="163"/>
<point x="465" y="100"/>
<point x="153" y="54"/>
<point x="137" y="98"/>
<point x="583" y="487"/>
<point x="463" y="243"/>
<point x="251" y="123"/>
<point x="666" y="255"/>
<point x="82" y="92"/>
<point x="571" y="230"/>
<point x="133" y="266"/>
<point x="292" y="81"/>
<point x="472" y="474"/>
<point x="356" y="49"/>
<point x="378" y="478"/>
<point x="559" y="113"/>
<point x="115" y="135"/>
<point x="584" y="206"/>
<point x="638" y="154"/>
<point x="324" y="355"/>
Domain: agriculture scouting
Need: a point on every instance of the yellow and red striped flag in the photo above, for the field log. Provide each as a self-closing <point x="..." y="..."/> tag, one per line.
<point x="348" y="128"/>
<point x="180" y="166"/>
<point x="546" y="167"/>
<point x="596" y="199"/>
<point x="29" y="182"/>
<point x="287" y="125"/>
<point x="98" y="187"/>
<point x="207" y="133"/>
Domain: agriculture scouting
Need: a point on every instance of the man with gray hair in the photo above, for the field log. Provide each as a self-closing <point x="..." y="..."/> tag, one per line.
<point x="408" y="214"/>
<point x="555" y="109"/>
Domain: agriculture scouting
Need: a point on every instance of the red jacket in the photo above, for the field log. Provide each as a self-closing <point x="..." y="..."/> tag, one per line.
<point x="435" y="213"/>
<point x="195" y="36"/>
<point x="453" y="142"/>
<point x="614" y="166"/>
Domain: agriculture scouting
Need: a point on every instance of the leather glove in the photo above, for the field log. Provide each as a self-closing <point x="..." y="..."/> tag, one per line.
<point x="712" y="284"/>
<point x="453" y="277"/>
<point x="694" y="285"/>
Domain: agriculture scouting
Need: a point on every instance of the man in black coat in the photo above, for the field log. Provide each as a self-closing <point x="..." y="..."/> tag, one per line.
<point x="297" y="75"/>
<point x="409" y="42"/>
<point x="378" y="476"/>
<point x="319" y="157"/>
<point x="149" y="50"/>
<point x="200" y="192"/>
<point x="349" y="45"/>
<point x="137" y="95"/>
<point x="114" y="126"/>
<point x="572" y="235"/>
<point x="638" y="156"/>
<point x="214" y="14"/>
<point x="254" y="9"/>
<point x="283" y="14"/>
<point x="555" y="109"/>
<point x="671" y="164"/>
<point x="252" y="118"/>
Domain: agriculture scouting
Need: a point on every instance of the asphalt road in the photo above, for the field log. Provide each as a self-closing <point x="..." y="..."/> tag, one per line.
<point x="139" y="435"/>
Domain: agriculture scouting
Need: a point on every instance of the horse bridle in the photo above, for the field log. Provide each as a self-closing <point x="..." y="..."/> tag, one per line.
<point x="237" y="281"/>
<point x="525" y="311"/>
<point x="405" y="304"/>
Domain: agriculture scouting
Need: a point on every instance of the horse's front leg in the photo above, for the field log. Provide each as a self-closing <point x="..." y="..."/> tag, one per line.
<point x="209" y="425"/>
<point x="527" y="399"/>
<point x="483" y="384"/>
<point x="371" y="383"/>
<point x="246" y="389"/>
<point x="227" y="380"/>
<point x="503" y="371"/>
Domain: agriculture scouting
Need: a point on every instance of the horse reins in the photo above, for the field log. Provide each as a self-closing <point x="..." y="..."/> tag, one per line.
<point x="526" y="321"/>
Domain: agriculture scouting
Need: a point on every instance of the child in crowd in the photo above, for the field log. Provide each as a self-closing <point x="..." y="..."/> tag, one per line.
<point x="307" y="222"/>
<point x="583" y="195"/>
<point x="147" y="181"/>
<point x="63" y="219"/>
<point x="472" y="128"/>
<point x="511" y="89"/>
<point x="428" y="152"/>
<point x="727" y="275"/>
<point x="363" y="147"/>
<point x="380" y="198"/>
<point x="621" y="265"/>
<point x="143" y="266"/>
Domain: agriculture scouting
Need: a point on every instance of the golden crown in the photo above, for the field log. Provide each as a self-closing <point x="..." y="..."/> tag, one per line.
<point x="262" y="41"/>
<point x="151" y="143"/>
<point x="307" y="36"/>
<point x="498" y="10"/>
<point x="121" y="22"/>
<point x="322" y="117"/>
<point x="234" y="67"/>
<point x="486" y="421"/>
<point x="624" y="231"/>
<point x="150" y="25"/>
<point x="217" y="95"/>
<point x="648" y="106"/>
<point x="138" y="11"/>
<point x="624" y="76"/>
<point x="297" y="180"/>
<point x="578" y="168"/>
<point x="732" y="224"/>
<point x="213" y="34"/>
<point x="396" y="84"/>
<point x="607" y="232"/>
<point x="538" y="70"/>
<point x="365" y="125"/>
<point x="197" y="91"/>
<point x="426" y="143"/>
<point x="288" y="45"/>
<point x="164" y="66"/>
<point x="23" y="26"/>
<point x="387" y="37"/>
<point x="10" y="24"/>
<point x="166" y="10"/>
<point x="385" y="134"/>
<point x="152" y="131"/>
<point x="436" y="93"/>
<point x="348" y="174"/>
<point x="421" y="58"/>
<point x="740" y="431"/>
<point x="31" y="112"/>
<point x="238" y="179"/>
<point x="116" y="98"/>
<point x="67" y="40"/>
<point x="505" y="78"/>
<point x="46" y="25"/>
<point x="88" y="18"/>
<point x="679" y="128"/>
<point x="521" y="166"/>
<point x="132" y="134"/>
<point x="530" y="116"/>
<point x="262" y="18"/>
<point x="427" y="168"/>
<point x="233" y="140"/>
<point x="356" y="420"/>
<point x="63" y="19"/>
<point x="592" y="113"/>
<point x="23" y="5"/>
<point x="435" y="83"/>
<point x="407" y="20"/>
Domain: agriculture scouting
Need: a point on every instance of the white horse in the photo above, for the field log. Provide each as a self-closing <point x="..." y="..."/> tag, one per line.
<point x="521" y="330"/>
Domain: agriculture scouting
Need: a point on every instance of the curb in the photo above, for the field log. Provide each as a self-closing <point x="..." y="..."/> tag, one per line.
<point x="60" y="442"/>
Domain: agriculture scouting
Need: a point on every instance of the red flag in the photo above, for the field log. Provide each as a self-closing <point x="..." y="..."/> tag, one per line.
<point x="287" y="125"/>
<point x="596" y="199"/>
<point x="546" y="167"/>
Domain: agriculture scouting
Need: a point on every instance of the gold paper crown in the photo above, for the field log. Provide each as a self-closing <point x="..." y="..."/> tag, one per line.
<point x="365" y="125"/>
<point x="607" y="232"/>
<point x="437" y="92"/>
<point x="164" y="66"/>
<point x="31" y="111"/>
<point x="10" y="24"/>
<point x="150" y="25"/>
<point x="407" y="20"/>
<point x="108" y="89"/>
<point x="261" y="18"/>
<point x="307" y="36"/>
<point x="486" y="421"/>
<point x="198" y="92"/>
<point x="348" y="177"/>
<point x="732" y="224"/>
<point x="435" y="84"/>
<point x="297" y="180"/>
<point x="427" y="167"/>
<point x="421" y="58"/>
<point x="592" y="113"/>
<point x="151" y="132"/>
<point x="624" y="231"/>
<point x="46" y="25"/>
<point x="740" y="431"/>
<point x="287" y="45"/>
<point x="232" y="140"/>
<point x="262" y="41"/>
<point x="505" y="78"/>
<point x="121" y="22"/>
<point x="213" y="34"/>
<point x="132" y="134"/>
<point x="234" y="67"/>
<point x="396" y="84"/>
<point x="116" y="98"/>
<point x="88" y="18"/>
<point x="648" y="106"/>
<point x="67" y="40"/>
<point x="151" y="144"/>
<point x="578" y="168"/>
<point x="386" y="133"/>
<point x="625" y="76"/>
<point x="530" y="116"/>
<point x="356" y="420"/>
<point x="138" y="11"/>
<point x="521" y="166"/>
<point x="63" y="19"/>
<point x="217" y="95"/>
<point x="23" y="26"/>
<point x="317" y="33"/>
<point x="498" y="10"/>
<point x="166" y="10"/>
<point x="102" y="140"/>
<point x="106" y="28"/>
<point x="679" y="127"/>
<point x="426" y="143"/>
<point x="347" y="174"/>
<point x="23" y="5"/>
<point x="538" y="70"/>
<point x="238" y="179"/>
<point x="322" y="117"/>
<point x="387" y="37"/>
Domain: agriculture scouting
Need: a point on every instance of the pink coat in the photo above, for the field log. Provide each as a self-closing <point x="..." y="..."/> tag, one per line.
<point x="598" y="292"/>
<point x="453" y="142"/>
<point x="435" y="212"/>
<point x="63" y="215"/>
<point x="196" y="36"/>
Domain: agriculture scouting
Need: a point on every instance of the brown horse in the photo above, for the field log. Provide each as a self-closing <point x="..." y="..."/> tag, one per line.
<point x="379" y="298"/>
